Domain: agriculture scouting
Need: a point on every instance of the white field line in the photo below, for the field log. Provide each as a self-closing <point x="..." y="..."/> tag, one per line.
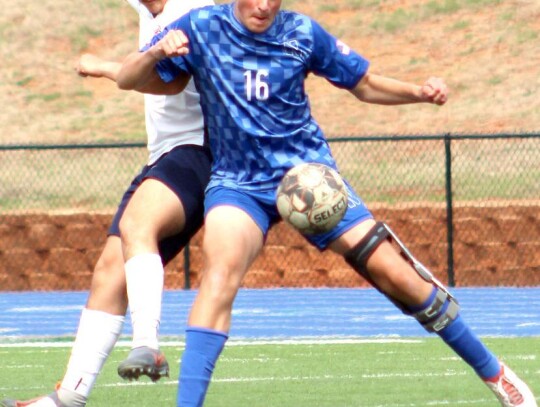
<point x="271" y="379"/>
<point x="329" y="341"/>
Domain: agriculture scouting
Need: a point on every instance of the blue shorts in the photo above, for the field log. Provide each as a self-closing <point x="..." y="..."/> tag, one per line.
<point x="261" y="207"/>
<point x="186" y="171"/>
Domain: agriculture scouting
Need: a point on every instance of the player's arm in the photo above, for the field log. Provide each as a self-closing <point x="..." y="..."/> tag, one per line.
<point x="138" y="71"/>
<point x="95" y="67"/>
<point x="381" y="90"/>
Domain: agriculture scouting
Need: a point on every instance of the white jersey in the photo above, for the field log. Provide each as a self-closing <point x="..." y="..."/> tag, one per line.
<point x="171" y="120"/>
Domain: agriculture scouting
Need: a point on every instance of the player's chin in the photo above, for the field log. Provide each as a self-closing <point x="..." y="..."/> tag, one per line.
<point x="258" y="25"/>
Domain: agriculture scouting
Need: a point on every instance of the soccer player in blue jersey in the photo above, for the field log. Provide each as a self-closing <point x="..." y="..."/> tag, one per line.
<point x="249" y="61"/>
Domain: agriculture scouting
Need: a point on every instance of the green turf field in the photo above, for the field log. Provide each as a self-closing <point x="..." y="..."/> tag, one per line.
<point x="420" y="372"/>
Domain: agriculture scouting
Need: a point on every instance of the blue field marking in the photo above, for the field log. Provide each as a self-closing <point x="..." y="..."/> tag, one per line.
<point x="287" y="313"/>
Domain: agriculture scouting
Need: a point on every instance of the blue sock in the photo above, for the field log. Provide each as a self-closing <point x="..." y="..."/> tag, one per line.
<point x="203" y="347"/>
<point x="459" y="336"/>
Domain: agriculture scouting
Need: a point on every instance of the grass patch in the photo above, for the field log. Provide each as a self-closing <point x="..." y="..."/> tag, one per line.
<point x="420" y="373"/>
<point x="403" y="18"/>
<point x="24" y="81"/>
<point x="45" y="97"/>
<point x="526" y="34"/>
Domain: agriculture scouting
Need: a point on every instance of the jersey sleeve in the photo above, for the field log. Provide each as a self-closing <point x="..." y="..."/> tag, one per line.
<point x="169" y="68"/>
<point x="335" y="61"/>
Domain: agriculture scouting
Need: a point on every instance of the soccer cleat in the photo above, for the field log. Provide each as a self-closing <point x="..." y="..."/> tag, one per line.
<point x="144" y="361"/>
<point x="511" y="390"/>
<point x="51" y="400"/>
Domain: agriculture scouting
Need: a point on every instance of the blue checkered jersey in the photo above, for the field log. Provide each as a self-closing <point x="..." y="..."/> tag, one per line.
<point x="252" y="91"/>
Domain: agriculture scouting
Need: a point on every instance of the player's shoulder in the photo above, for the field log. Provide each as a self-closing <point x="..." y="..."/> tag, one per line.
<point x="294" y="27"/>
<point x="293" y="21"/>
<point x="289" y="16"/>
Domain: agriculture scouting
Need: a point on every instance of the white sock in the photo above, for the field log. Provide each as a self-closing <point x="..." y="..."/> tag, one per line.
<point x="144" y="278"/>
<point x="97" y="334"/>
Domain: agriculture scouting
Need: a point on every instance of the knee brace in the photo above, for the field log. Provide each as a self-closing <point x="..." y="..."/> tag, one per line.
<point x="443" y="307"/>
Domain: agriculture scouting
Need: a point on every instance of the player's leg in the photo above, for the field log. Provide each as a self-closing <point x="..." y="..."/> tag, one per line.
<point x="375" y="252"/>
<point x="99" y="328"/>
<point x="232" y="240"/>
<point x="153" y="212"/>
<point x="100" y="324"/>
<point x="167" y="207"/>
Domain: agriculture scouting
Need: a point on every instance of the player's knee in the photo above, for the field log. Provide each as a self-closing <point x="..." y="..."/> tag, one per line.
<point x="111" y="259"/>
<point x="221" y="284"/>
<point x="127" y="226"/>
<point x="109" y="270"/>
<point x="134" y="230"/>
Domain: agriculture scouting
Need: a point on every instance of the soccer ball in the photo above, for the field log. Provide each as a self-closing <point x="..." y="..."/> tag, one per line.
<point x="312" y="198"/>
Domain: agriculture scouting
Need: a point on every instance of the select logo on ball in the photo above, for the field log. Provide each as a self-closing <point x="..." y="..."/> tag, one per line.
<point x="328" y="214"/>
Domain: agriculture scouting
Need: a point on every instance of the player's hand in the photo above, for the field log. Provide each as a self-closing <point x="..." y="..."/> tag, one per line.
<point x="434" y="91"/>
<point x="173" y="44"/>
<point x="89" y="65"/>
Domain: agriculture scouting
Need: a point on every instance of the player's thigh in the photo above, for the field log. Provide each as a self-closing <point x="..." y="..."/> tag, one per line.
<point x="232" y="240"/>
<point x="155" y="210"/>
<point x="351" y="237"/>
<point x="171" y="195"/>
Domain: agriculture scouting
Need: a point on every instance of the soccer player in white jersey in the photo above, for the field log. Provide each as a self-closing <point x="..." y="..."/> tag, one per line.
<point x="249" y="60"/>
<point x="160" y="211"/>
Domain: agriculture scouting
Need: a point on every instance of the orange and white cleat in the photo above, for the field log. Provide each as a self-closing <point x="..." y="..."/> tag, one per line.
<point x="511" y="390"/>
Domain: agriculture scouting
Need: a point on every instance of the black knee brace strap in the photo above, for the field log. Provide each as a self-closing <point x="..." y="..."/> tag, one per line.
<point x="357" y="257"/>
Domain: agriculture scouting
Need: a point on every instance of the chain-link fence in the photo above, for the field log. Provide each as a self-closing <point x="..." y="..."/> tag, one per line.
<point x="468" y="206"/>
